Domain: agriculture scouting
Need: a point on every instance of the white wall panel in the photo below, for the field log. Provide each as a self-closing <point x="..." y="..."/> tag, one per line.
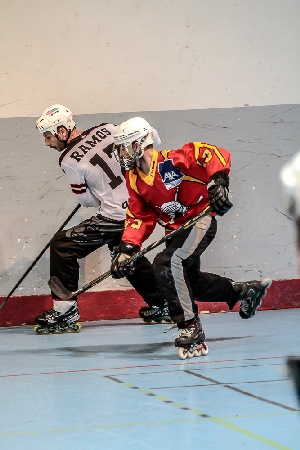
<point x="132" y="55"/>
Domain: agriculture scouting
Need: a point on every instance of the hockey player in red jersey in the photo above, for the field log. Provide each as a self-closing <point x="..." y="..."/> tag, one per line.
<point x="170" y="188"/>
<point x="96" y="179"/>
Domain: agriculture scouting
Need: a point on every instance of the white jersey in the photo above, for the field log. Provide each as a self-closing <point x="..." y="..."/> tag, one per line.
<point x="94" y="173"/>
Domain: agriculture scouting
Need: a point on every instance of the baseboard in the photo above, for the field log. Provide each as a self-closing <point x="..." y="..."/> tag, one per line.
<point x="125" y="304"/>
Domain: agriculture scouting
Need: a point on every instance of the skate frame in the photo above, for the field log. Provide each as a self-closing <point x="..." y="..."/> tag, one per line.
<point x="63" y="293"/>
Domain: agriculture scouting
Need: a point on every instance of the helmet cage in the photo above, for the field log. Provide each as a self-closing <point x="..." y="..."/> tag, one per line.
<point x="131" y="158"/>
<point x="135" y="130"/>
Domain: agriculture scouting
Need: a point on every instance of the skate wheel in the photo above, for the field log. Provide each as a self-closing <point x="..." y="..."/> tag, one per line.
<point x="75" y="328"/>
<point x="190" y="353"/>
<point x="38" y="329"/>
<point x="62" y="330"/>
<point x="197" y="352"/>
<point x="204" y="349"/>
<point x="147" y="320"/>
<point x="51" y="330"/>
<point x="182" y="353"/>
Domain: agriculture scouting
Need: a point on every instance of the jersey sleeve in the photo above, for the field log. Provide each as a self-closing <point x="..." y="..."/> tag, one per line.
<point x="210" y="157"/>
<point x="80" y="188"/>
<point x="140" y="220"/>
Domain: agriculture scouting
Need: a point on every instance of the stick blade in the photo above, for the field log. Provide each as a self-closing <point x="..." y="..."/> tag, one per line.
<point x="59" y="289"/>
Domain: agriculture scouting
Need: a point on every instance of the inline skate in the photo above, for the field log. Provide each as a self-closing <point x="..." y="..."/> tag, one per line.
<point x="251" y="294"/>
<point x="157" y="314"/>
<point x="54" y="321"/>
<point x="191" y="342"/>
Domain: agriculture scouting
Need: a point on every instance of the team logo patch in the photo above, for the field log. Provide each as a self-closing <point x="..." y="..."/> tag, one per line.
<point x="170" y="175"/>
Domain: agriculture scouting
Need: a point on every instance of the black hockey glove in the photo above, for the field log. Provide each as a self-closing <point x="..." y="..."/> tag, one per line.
<point x="218" y="189"/>
<point x="120" y="255"/>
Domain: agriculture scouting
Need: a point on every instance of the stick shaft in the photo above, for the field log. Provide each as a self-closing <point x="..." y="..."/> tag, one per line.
<point x="40" y="255"/>
<point x="165" y="238"/>
<point x="147" y="249"/>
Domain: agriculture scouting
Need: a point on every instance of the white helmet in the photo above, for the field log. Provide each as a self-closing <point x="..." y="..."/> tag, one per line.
<point x="53" y="117"/>
<point x="138" y="130"/>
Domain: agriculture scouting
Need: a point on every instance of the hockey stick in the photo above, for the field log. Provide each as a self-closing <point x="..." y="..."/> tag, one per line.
<point x="63" y="293"/>
<point x="39" y="256"/>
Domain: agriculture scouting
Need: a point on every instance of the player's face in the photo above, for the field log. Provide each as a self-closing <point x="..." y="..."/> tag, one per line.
<point x="126" y="154"/>
<point x="122" y="150"/>
<point x="130" y="150"/>
<point x="52" y="141"/>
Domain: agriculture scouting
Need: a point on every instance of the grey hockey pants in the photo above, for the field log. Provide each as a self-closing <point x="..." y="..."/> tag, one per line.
<point x="177" y="269"/>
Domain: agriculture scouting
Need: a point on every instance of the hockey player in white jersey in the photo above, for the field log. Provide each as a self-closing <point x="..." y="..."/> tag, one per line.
<point x="96" y="179"/>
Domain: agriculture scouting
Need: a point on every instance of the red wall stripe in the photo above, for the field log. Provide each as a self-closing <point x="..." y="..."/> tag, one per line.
<point x="125" y="304"/>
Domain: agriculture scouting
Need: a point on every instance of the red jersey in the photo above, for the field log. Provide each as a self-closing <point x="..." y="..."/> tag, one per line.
<point x="174" y="191"/>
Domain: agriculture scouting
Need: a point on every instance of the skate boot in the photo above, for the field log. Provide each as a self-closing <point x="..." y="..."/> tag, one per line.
<point x="59" y="319"/>
<point x="158" y="314"/>
<point x="190" y="342"/>
<point x="251" y="294"/>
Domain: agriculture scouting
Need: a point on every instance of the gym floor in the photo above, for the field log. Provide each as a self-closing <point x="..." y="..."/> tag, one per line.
<point x="120" y="385"/>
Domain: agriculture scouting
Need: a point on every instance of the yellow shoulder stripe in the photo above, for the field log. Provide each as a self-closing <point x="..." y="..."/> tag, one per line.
<point x="132" y="181"/>
<point x="195" y="180"/>
<point x="199" y="145"/>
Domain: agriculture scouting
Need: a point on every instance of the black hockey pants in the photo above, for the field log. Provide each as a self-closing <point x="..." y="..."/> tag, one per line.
<point x="177" y="269"/>
<point x="68" y="246"/>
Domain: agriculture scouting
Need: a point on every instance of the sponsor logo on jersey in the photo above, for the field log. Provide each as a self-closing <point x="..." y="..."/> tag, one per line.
<point x="170" y="175"/>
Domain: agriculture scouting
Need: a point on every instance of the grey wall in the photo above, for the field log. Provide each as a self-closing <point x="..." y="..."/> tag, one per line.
<point x="194" y="64"/>
<point x="255" y="238"/>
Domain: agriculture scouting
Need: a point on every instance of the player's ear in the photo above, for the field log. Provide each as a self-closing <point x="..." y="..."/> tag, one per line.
<point x="135" y="146"/>
<point x="62" y="133"/>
